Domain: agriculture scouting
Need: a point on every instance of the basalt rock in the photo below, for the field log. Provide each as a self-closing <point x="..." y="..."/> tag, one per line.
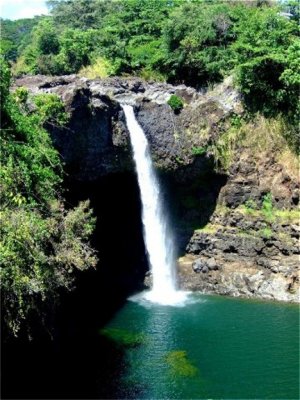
<point x="254" y="262"/>
<point x="95" y="142"/>
<point x="241" y="254"/>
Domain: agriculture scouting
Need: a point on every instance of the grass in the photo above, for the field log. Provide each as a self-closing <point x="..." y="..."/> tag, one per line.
<point x="280" y="216"/>
<point x="150" y="75"/>
<point x="209" y="228"/>
<point x="266" y="213"/>
<point x="266" y="233"/>
<point x="260" y="137"/>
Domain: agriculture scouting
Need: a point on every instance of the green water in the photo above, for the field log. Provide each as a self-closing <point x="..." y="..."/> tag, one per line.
<point x="213" y="348"/>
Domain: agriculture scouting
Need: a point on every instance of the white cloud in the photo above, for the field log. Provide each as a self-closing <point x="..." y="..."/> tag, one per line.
<point x="16" y="9"/>
<point x="29" y="12"/>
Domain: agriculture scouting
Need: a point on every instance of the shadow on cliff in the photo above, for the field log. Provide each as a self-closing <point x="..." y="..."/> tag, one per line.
<point x="78" y="362"/>
<point x="118" y="238"/>
<point x="191" y="196"/>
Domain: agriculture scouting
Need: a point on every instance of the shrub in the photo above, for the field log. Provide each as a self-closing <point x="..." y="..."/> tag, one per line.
<point x="41" y="243"/>
<point x="199" y="151"/>
<point x="176" y="103"/>
<point x="250" y="206"/>
<point x="101" y="68"/>
<point x="267" y="207"/>
<point x="51" y="109"/>
<point x="21" y="95"/>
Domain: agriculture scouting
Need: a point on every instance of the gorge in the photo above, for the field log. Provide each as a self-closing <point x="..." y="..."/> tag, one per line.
<point x="149" y="199"/>
<point x="105" y="346"/>
<point x="227" y="240"/>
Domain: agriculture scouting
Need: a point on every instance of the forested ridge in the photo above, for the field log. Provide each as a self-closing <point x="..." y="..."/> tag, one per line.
<point x="196" y="42"/>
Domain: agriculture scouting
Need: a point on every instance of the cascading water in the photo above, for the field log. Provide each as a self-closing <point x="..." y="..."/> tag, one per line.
<point x="157" y="235"/>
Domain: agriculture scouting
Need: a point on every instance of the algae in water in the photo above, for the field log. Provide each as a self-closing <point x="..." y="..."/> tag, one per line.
<point x="180" y="364"/>
<point x="124" y="337"/>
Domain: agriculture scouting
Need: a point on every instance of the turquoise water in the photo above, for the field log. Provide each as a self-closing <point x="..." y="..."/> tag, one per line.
<point x="214" y="347"/>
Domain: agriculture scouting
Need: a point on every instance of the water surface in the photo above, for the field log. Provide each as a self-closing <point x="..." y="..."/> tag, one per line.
<point x="214" y="347"/>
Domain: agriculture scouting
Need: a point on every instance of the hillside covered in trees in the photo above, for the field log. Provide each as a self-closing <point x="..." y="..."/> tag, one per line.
<point x="196" y="42"/>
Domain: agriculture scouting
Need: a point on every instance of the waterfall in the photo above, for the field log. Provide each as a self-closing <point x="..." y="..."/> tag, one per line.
<point x="157" y="235"/>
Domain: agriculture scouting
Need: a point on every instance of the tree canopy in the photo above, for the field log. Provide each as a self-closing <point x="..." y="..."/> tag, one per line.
<point x="42" y="243"/>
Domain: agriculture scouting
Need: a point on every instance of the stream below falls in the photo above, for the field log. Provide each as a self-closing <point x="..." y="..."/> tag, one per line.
<point x="213" y="347"/>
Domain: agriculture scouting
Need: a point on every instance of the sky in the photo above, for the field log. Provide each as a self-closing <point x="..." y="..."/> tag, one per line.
<point x="16" y="9"/>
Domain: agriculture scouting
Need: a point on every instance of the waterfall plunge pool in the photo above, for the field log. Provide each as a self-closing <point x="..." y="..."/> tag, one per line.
<point x="213" y="347"/>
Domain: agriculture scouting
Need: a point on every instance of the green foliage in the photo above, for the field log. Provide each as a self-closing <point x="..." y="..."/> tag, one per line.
<point x="176" y="103"/>
<point x="266" y="233"/>
<point x="15" y="35"/>
<point x="198" y="150"/>
<point x="52" y="53"/>
<point x="80" y="14"/>
<point x="236" y="121"/>
<point x="150" y="74"/>
<point x="39" y="255"/>
<point x="196" y="40"/>
<point x="100" y="68"/>
<point x="21" y="95"/>
<point x="75" y="49"/>
<point x="267" y="207"/>
<point x="50" y="109"/>
<point x="267" y="55"/>
<point x="46" y="37"/>
<point x="4" y="81"/>
<point x="180" y="364"/>
<point x="42" y="243"/>
<point x="250" y="206"/>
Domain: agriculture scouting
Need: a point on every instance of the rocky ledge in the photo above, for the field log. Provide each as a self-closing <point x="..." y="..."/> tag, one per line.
<point x="95" y="142"/>
<point x="241" y="254"/>
<point x="250" y="245"/>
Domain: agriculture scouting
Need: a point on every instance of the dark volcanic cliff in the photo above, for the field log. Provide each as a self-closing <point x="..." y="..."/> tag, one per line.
<point x="237" y="227"/>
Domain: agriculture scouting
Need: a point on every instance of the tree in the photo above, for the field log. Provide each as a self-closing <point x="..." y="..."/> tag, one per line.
<point x="197" y="38"/>
<point x="15" y="35"/>
<point x="42" y="243"/>
<point x="267" y="61"/>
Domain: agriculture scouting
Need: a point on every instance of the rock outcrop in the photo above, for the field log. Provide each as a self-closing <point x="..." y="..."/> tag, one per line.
<point x="237" y="249"/>
<point x="250" y="245"/>
<point x="95" y="142"/>
<point x="242" y="254"/>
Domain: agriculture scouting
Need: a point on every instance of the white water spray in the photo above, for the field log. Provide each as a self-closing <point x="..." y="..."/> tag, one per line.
<point x="157" y="235"/>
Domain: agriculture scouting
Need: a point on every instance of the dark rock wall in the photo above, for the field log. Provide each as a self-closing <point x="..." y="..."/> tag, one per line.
<point x="224" y="251"/>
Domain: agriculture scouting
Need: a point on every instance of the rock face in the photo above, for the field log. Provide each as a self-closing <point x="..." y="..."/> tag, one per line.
<point x="243" y="255"/>
<point x="238" y="251"/>
<point x="96" y="141"/>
